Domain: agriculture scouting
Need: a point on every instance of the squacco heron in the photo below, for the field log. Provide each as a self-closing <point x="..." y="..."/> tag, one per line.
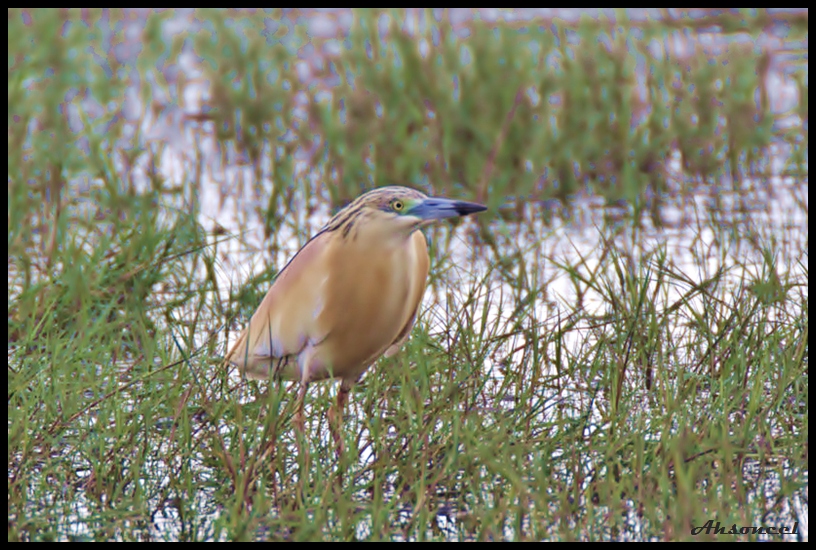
<point x="350" y="295"/>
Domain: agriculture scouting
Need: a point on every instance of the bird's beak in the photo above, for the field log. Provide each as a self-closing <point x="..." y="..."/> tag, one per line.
<point x="434" y="208"/>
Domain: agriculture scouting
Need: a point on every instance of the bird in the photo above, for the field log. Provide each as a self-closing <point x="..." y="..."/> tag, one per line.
<point x="350" y="295"/>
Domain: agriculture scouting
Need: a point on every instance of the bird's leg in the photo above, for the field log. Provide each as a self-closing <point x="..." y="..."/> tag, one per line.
<point x="301" y="398"/>
<point x="299" y="423"/>
<point x="336" y="418"/>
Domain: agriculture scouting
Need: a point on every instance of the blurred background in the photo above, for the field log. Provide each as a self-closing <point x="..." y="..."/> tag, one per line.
<point x="616" y="350"/>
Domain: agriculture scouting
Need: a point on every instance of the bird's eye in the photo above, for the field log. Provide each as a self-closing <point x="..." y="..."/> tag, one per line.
<point x="398" y="205"/>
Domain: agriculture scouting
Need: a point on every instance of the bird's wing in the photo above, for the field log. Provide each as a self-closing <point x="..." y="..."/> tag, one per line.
<point x="420" y="267"/>
<point x="287" y="319"/>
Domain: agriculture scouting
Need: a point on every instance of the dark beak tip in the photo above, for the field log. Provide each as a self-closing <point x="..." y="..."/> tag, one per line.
<point x="467" y="208"/>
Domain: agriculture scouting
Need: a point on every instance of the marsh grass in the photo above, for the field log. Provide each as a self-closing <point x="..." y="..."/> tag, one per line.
<point x="629" y="390"/>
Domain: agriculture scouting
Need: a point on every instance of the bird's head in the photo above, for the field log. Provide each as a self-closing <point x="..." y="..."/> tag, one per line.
<point x="399" y="211"/>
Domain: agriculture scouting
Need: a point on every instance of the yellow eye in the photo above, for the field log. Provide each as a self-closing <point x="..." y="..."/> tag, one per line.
<point x="398" y="205"/>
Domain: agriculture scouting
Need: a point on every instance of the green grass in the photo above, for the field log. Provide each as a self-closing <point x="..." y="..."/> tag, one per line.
<point x="584" y="367"/>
